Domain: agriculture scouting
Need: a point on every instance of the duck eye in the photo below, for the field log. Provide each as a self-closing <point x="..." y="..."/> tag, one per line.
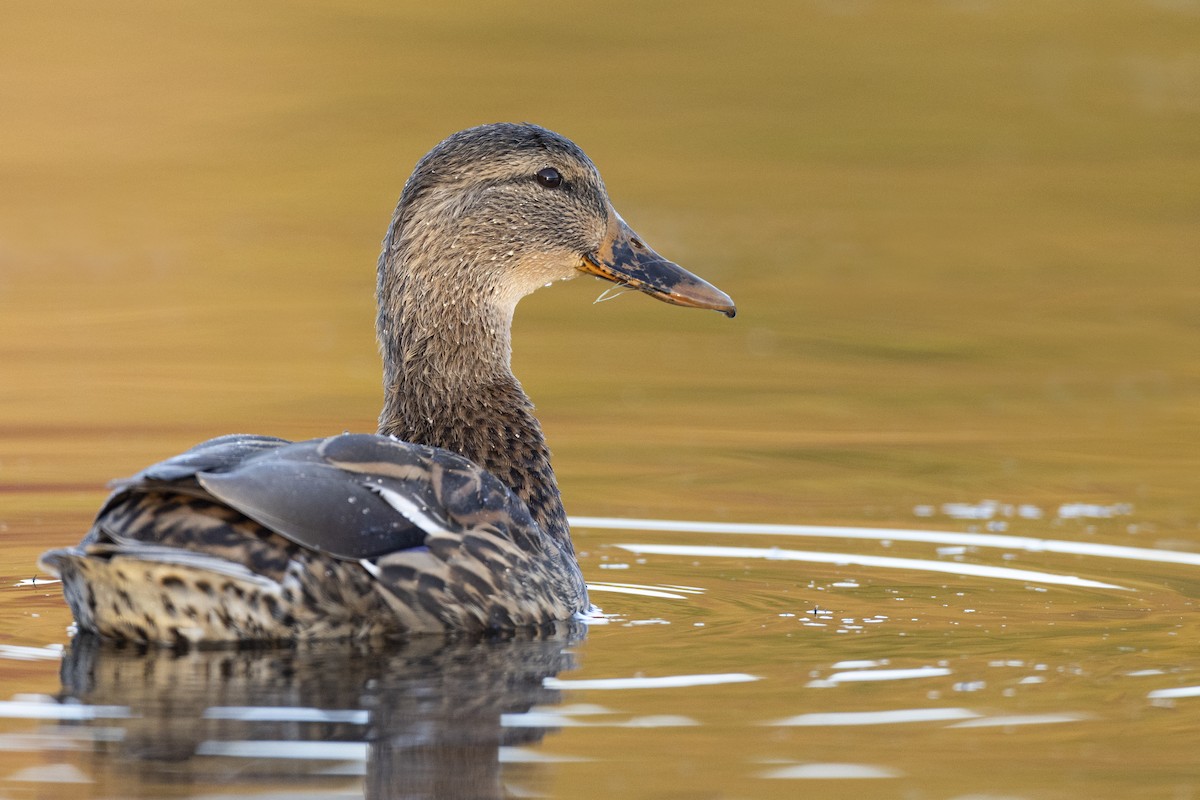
<point x="549" y="177"/>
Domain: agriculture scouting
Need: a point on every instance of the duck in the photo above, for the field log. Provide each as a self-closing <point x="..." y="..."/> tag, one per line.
<point x="447" y="519"/>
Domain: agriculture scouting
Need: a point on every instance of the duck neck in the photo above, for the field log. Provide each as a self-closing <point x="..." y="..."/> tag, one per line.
<point x="448" y="383"/>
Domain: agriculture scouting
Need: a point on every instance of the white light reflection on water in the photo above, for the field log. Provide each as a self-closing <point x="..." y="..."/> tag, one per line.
<point x="830" y="772"/>
<point x="1024" y="543"/>
<point x="1171" y="694"/>
<point x="889" y="717"/>
<point x="661" y="682"/>
<point x="38" y="581"/>
<point x="1025" y="719"/>
<point x="49" y="709"/>
<point x="16" y="652"/>
<point x="551" y="719"/>
<point x="632" y="588"/>
<point x="884" y="562"/>
<point x="524" y="755"/>
<point x="991" y="509"/>
<point x="285" y="749"/>
<point x="864" y="676"/>
<point x="287" y="714"/>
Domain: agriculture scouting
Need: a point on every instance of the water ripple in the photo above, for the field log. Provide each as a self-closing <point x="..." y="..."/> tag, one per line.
<point x="1024" y="543"/>
<point x="853" y="559"/>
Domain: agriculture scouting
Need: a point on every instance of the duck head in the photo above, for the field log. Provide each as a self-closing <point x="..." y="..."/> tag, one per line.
<point x="505" y="209"/>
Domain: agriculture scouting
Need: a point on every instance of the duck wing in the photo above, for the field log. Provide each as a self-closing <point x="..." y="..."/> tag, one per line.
<point x="247" y="537"/>
<point x="351" y="497"/>
<point x="297" y="492"/>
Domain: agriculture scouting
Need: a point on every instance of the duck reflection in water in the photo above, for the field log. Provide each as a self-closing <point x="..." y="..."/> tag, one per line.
<point x="413" y="719"/>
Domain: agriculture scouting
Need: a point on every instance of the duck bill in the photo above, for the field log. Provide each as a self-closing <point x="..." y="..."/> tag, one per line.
<point x="625" y="259"/>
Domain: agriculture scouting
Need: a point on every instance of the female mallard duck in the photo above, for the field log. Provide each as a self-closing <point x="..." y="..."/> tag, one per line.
<point x="448" y="519"/>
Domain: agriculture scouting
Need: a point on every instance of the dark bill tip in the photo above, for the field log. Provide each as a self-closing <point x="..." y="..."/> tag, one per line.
<point x="623" y="258"/>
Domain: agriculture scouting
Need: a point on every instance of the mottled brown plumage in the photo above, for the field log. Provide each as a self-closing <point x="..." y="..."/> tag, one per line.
<point x="448" y="519"/>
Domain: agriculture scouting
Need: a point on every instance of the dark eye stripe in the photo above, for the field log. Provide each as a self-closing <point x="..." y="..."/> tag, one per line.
<point x="549" y="177"/>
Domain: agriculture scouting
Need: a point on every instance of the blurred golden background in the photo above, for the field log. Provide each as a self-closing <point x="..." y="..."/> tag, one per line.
<point x="963" y="238"/>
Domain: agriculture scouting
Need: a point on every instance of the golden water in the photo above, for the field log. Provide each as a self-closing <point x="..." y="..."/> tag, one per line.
<point x="963" y="238"/>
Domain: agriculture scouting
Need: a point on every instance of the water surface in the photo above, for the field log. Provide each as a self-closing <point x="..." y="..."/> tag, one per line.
<point x="962" y="239"/>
